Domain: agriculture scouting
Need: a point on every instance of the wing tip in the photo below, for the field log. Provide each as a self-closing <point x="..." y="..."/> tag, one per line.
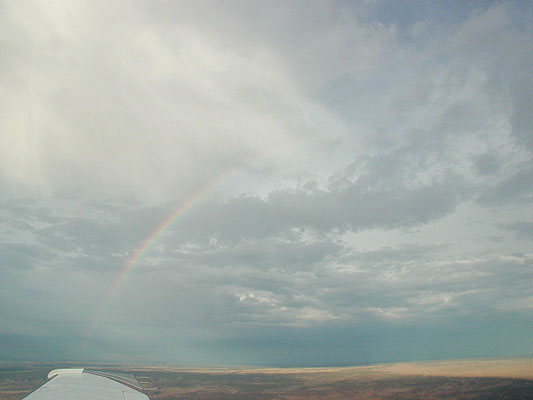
<point x="64" y="371"/>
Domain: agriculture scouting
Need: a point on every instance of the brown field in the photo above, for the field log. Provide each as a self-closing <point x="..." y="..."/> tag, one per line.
<point x="465" y="379"/>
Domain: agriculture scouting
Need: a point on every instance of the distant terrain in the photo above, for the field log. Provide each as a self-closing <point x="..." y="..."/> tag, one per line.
<point x="465" y="379"/>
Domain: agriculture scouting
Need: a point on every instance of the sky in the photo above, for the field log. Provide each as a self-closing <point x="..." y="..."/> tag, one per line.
<point x="288" y="183"/>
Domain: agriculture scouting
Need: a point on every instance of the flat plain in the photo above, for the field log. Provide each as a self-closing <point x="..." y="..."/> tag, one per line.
<point x="461" y="379"/>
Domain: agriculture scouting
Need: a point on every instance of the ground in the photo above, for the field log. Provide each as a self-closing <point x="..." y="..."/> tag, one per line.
<point x="465" y="379"/>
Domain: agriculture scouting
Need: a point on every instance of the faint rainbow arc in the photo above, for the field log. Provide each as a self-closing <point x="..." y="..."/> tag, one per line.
<point x="147" y="243"/>
<point x="145" y="246"/>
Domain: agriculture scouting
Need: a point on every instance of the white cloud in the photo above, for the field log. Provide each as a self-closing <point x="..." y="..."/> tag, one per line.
<point x="112" y="102"/>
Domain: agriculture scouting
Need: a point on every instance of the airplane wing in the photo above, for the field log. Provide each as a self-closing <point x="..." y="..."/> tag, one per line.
<point x="81" y="384"/>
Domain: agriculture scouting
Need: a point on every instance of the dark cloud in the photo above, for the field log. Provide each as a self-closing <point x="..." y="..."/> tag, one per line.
<point x="521" y="119"/>
<point x="487" y="164"/>
<point x="374" y="200"/>
<point x="514" y="189"/>
<point x="523" y="229"/>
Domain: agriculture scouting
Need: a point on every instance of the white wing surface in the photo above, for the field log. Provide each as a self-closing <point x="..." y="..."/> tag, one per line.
<point x="79" y="384"/>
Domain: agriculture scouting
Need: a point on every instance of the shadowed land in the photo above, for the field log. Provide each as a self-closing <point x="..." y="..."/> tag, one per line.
<point x="464" y="379"/>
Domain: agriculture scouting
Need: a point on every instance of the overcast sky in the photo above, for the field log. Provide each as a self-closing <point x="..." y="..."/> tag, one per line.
<point x="352" y="181"/>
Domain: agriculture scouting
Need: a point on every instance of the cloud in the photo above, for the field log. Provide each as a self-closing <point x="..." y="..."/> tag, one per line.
<point x="522" y="229"/>
<point x="139" y="109"/>
<point x="354" y="178"/>
<point x="515" y="188"/>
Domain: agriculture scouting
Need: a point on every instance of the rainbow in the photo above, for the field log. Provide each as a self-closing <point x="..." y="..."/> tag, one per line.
<point x="149" y="241"/>
<point x="145" y="245"/>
